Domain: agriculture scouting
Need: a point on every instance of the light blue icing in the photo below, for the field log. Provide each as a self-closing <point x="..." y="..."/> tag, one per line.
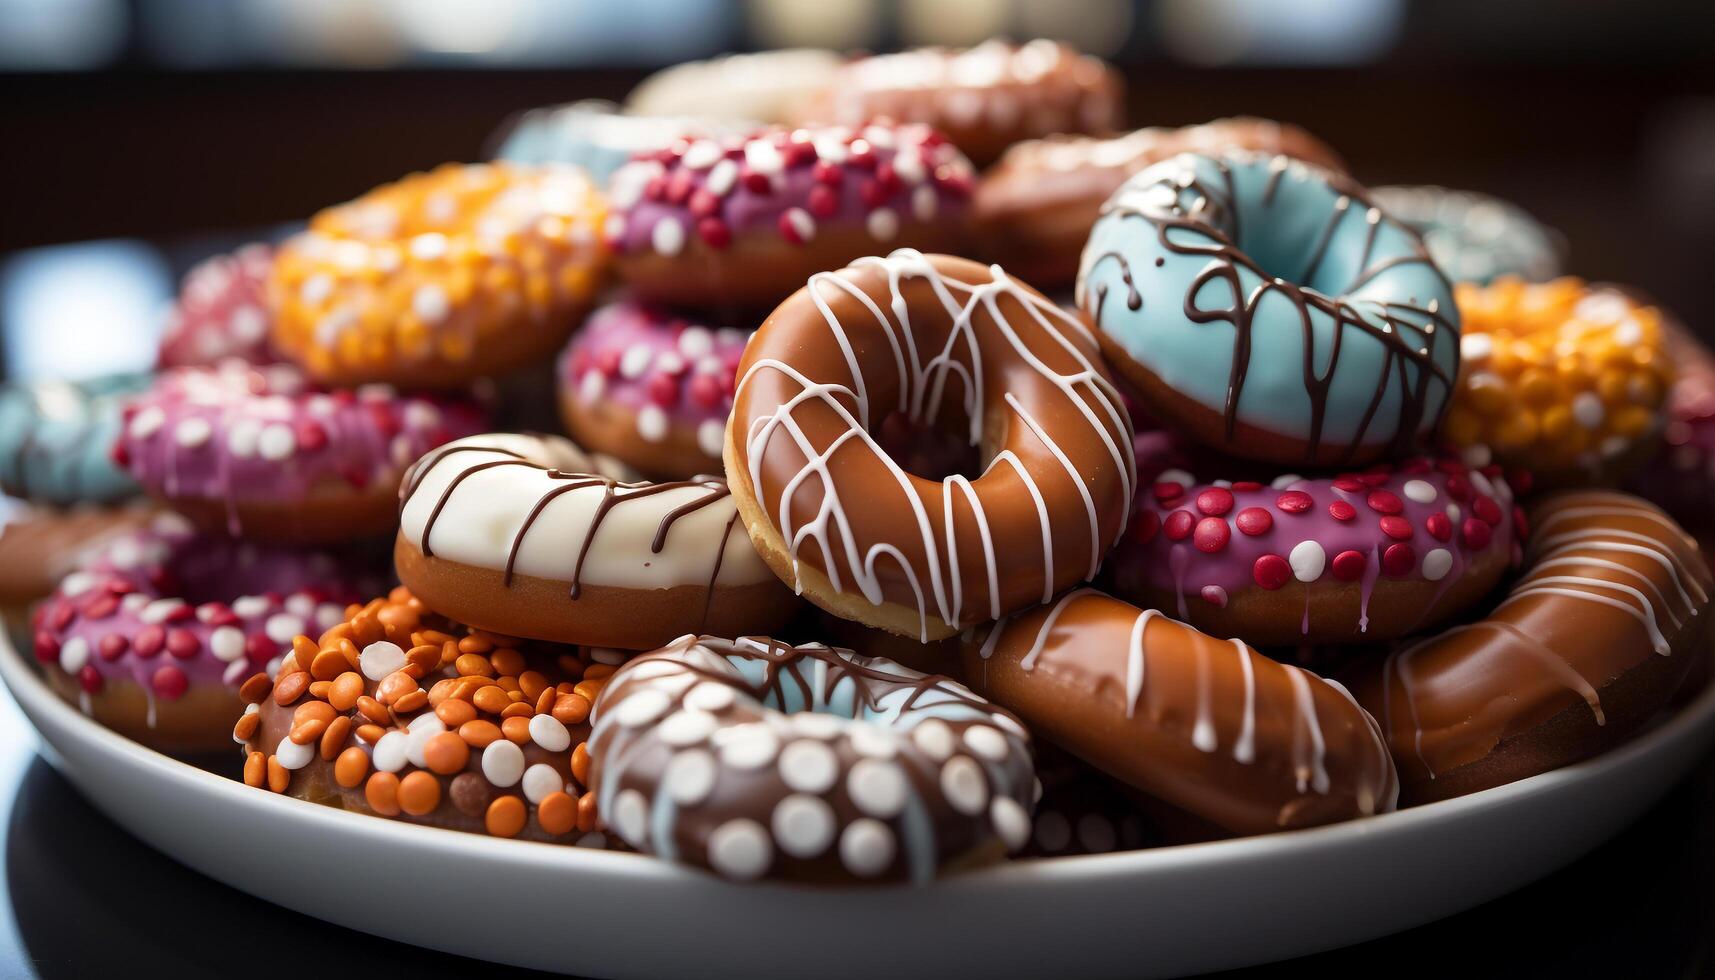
<point x="1475" y="237"/>
<point x="56" y="439"/>
<point x="596" y="136"/>
<point x="1196" y="223"/>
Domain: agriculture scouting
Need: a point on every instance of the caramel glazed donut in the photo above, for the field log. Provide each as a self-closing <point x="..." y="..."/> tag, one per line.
<point x="758" y="758"/>
<point x="1209" y="726"/>
<point x="1580" y="653"/>
<point x="944" y="343"/>
<point x="522" y="535"/>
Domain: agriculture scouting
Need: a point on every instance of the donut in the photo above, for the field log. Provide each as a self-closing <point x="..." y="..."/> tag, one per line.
<point x="39" y="546"/>
<point x="948" y="346"/>
<point x="1083" y="811"/>
<point x="739" y="223"/>
<point x="395" y="711"/>
<point x="1209" y="726"/>
<point x="221" y="311"/>
<point x="520" y="535"/>
<point x="598" y="137"/>
<point x="757" y="759"/>
<point x="1033" y="210"/>
<point x="1265" y="307"/>
<point x="56" y="439"/>
<point x="262" y="453"/>
<point x="1591" y="642"/>
<point x="651" y="388"/>
<point x="1355" y="558"/>
<point x="441" y="278"/>
<point x="985" y="98"/>
<point x="767" y="86"/>
<point x="1681" y="477"/>
<point x="1563" y="378"/>
<point x="153" y="635"/>
<point x="1474" y="237"/>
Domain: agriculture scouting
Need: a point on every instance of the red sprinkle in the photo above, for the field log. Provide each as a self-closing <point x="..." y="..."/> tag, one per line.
<point x="1211" y="535"/>
<point x="715" y="232"/>
<point x="663" y="390"/>
<point x="1168" y="491"/>
<point x="1339" y="510"/>
<point x="1271" y="571"/>
<point x="170" y="682"/>
<point x="311" y="435"/>
<point x="822" y="201"/>
<point x="1215" y="596"/>
<point x="1215" y="501"/>
<point x="182" y="644"/>
<point x="1246" y="486"/>
<point x="1458" y="487"/>
<point x="1521" y="481"/>
<point x="1375" y="478"/>
<point x="1399" y="559"/>
<point x="1397" y="528"/>
<point x="1521" y="527"/>
<point x="1350" y="484"/>
<point x="789" y="230"/>
<point x="112" y="646"/>
<point x="47" y="647"/>
<point x="1438" y="526"/>
<point x="1348" y="566"/>
<point x="258" y="647"/>
<point x="757" y="182"/>
<point x="1254" y="521"/>
<point x="873" y="194"/>
<point x="1294" y="501"/>
<point x="1384" y="502"/>
<point x="704" y="203"/>
<point x="706" y="390"/>
<point x="828" y="173"/>
<point x="1145" y="526"/>
<point x="149" y="641"/>
<point x="1179" y="525"/>
<point x="62" y="616"/>
<point x="103" y="607"/>
<point x="89" y="678"/>
<point x="1487" y="509"/>
<point x="1476" y="533"/>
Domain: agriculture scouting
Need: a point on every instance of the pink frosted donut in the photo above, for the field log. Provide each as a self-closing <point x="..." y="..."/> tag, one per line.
<point x="742" y="222"/>
<point x="154" y="633"/>
<point x="261" y="452"/>
<point x="1357" y="557"/>
<point x="221" y="311"/>
<point x="651" y="388"/>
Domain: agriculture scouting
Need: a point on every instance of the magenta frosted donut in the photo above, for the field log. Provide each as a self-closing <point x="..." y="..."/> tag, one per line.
<point x="1353" y="558"/>
<point x="741" y="222"/>
<point x="221" y="311"/>
<point x="651" y="388"/>
<point x="260" y="452"/>
<point x="154" y="633"/>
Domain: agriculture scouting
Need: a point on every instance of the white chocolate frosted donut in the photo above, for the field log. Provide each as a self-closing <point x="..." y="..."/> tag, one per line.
<point x="526" y="535"/>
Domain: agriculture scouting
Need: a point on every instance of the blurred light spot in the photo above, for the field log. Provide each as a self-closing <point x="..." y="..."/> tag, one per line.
<point x="1100" y="27"/>
<point x="344" y="33"/>
<point x="60" y="35"/>
<point x="1268" y="32"/>
<point x="952" y="22"/>
<point x="80" y="311"/>
<point x="457" y="26"/>
<point x="840" y="24"/>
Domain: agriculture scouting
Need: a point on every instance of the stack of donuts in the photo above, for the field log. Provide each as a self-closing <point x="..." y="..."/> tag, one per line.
<point x="867" y="561"/>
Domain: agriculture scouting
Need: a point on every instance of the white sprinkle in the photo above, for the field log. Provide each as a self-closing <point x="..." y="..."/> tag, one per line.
<point x="1010" y="822"/>
<point x="803" y="825"/>
<point x="1286" y="480"/>
<point x="722" y="177"/>
<point x="380" y="658"/>
<point x="688" y="779"/>
<point x="1307" y="560"/>
<point x="934" y="738"/>
<point x="702" y="155"/>
<point x="541" y="780"/>
<point x="668" y="236"/>
<point x="748" y="746"/>
<point x="1419" y="491"/>
<point x="964" y="786"/>
<point x="1588" y="410"/>
<point x="873" y="741"/>
<point x="242" y="438"/>
<point x="1476" y="346"/>
<point x="1477" y="456"/>
<point x="710" y="696"/>
<point x="316" y="289"/>
<point x="740" y="848"/>
<point x="883" y="224"/>
<point x="652" y="423"/>
<point x="812" y="725"/>
<point x="1436" y="564"/>
<point x="986" y="742"/>
<point x="277" y="442"/>
<point x="1453" y="512"/>
<point x="866" y="847"/>
<point x="192" y="432"/>
<point x="428" y="246"/>
<point x="683" y="728"/>
<point x="802" y="223"/>
<point x="635" y="361"/>
<point x="389" y="754"/>
<point x="158" y="610"/>
<point x="251" y="606"/>
<point x="924" y="202"/>
<point x="301" y="604"/>
<point x="1480" y="482"/>
<point x="294" y="756"/>
<point x="147" y="422"/>
<point x="550" y="733"/>
<point x="591" y="385"/>
<point x="1177" y="476"/>
<point x="75" y="654"/>
<point x="809" y="767"/>
<point x="226" y="643"/>
<point x="877" y="788"/>
<point x="283" y="627"/>
<point x="763" y="156"/>
<point x="430" y="303"/>
<point x="908" y="165"/>
<point x="694" y="342"/>
<point x="630" y="815"/>
<point x="502" y="762"/>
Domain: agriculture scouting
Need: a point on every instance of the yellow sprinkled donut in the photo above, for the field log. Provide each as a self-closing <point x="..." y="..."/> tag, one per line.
<point x="1563" y="378"/>
<point x="442" y="277"/>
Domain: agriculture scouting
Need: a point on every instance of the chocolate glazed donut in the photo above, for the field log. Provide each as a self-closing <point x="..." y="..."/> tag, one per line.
<point x="947" y="343"/>
<point x="1209" y="726"/>
<point x="1593" y="640"/>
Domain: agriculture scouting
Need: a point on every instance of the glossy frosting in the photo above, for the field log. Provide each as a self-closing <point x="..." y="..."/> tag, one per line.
<point x="221" y="311"/>
<point x="949" y="345"/>
<point x="597" y="137"/>
<point x="1209" y="726"/>
<point x="56" y="439"/>
<point x="535" y="505"/>
<point x="238" y="433"/>
<point x="671" y="369"/>
<point x="1474" y="237"/>
<point x="1681" y="478"/>
<point x="790" y="184"/>
<point x="1610" y="582"/>
<point x="755" y="758"/>
<point x="1272" y="294"/>
<point x="764" y="85"/>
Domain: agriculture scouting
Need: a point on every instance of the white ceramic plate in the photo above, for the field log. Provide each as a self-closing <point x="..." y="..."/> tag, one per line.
<point x="1146" y="913"/>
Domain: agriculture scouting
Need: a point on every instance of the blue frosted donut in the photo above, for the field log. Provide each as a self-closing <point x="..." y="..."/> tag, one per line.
<point x="596" y="136"/>
<point x="1267" y="307"/>
<point x="1475" y="237"/>
<point x="56" y="440"/>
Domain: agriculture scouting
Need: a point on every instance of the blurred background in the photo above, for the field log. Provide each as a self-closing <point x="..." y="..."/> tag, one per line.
<point x="143" y="135"/>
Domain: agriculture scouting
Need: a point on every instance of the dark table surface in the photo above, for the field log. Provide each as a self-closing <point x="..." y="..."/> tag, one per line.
<point x="81" y="897"/>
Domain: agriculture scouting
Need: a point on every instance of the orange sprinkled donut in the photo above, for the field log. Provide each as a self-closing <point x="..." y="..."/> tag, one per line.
<point x="1562" y="378"/>
<point x="442" y="277"/>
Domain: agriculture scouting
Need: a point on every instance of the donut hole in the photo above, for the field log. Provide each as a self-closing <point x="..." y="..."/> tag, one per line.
<point x="931" y="451"/>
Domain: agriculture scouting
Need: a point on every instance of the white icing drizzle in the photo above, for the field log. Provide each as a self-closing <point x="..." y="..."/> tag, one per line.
<point x="921" y="390"/>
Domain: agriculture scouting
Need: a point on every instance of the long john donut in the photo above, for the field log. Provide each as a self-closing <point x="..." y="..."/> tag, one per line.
<point x="944" y="342"/>
<point x="519" y="535"/>
<point x="1209" y="726"/>
<point x="1578" y="655"/>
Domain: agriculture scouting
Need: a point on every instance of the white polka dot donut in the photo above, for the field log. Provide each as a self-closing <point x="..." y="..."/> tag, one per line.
<point x="756" y="759"/>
